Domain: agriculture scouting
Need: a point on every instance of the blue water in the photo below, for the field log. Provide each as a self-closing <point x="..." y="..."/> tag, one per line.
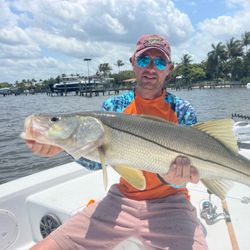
<point x="17" y="160"/>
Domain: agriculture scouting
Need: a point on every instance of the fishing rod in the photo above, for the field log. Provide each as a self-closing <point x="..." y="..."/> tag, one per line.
<point x="230" y="228"/>
<point x="209" y="214"/>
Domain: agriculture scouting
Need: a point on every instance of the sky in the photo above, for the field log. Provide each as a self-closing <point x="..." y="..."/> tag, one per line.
<point x="46" y="38"/>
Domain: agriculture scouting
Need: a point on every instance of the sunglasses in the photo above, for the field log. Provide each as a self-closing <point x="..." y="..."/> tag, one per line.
<point x="144" y="61"/>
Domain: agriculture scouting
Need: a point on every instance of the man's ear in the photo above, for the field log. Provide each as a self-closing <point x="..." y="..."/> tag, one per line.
<point x="132" y="60"/>
<point x="171" y="66"/>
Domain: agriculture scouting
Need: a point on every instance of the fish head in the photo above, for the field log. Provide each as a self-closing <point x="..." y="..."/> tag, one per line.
<point x="47" y="129"/>
<point x="76" y="134"/>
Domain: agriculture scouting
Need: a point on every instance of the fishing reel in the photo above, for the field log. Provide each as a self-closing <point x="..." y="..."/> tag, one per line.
<point x="208" y="212"/>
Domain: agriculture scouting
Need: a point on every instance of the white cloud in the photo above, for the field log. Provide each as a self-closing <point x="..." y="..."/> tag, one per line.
<point x="28" y="68"/>
<point x="13" y="36"/>
<point x="19" y="52"/>
<point x="233" y="3"/>
<point x="171" y="22"/>
<point x="215" y="30"/>
<point x="114" y="25"/>
<point x="44" y="38"/>
<point x="227" y="25"/>
<point x="105" y="30"/>
<point x="7" y="17"/>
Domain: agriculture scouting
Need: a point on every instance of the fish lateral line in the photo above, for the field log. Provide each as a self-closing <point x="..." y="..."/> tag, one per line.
<point x="176" y="151"/>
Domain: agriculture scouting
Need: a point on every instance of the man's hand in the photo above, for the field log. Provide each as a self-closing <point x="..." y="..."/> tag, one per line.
<point x="43" y="149"/>
<point x="181" y="171"/>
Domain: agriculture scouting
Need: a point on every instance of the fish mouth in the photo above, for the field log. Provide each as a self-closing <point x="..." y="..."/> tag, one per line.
<point x="35" y="129"/>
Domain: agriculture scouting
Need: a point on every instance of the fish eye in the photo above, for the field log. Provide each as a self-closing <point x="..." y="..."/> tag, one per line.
<point x="55" y="119"/>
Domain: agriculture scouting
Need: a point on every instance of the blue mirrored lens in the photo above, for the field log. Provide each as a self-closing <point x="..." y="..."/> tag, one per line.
<point x="144" y="61"/>
<point x="160" y="63"/>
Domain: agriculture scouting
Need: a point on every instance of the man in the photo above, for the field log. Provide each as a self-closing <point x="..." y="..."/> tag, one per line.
<point x="161" y="216"/>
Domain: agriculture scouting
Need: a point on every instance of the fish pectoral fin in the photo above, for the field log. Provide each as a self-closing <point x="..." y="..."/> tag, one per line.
<point x="133" y="176"/>
<point x="222" y="130"/>
<point x="104" y="167"/>
<point x="218" y="187"/>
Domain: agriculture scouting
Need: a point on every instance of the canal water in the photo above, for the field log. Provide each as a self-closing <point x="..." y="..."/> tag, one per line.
<point x="16" y="160"/>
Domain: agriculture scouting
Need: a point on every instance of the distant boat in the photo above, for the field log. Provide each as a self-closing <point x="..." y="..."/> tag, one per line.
<point x="248" y="85"/>
<point x="69" y="83"/>
<point x="74" y="83"/>
<point x="242" y="132"/>
<point x="5" y="91"/>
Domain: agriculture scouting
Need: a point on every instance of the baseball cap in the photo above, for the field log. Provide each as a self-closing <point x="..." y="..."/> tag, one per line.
<point x="146" y="42"/>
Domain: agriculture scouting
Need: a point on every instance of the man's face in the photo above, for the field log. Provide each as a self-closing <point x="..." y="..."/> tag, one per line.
<point x="149" y="77"/>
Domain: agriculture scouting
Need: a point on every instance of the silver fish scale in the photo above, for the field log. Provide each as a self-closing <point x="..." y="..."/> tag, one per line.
<point x="124" y="148"/>
<point x="171" y="140"/>
<point x="183" y="140"/>
<point x="149" y="144"/>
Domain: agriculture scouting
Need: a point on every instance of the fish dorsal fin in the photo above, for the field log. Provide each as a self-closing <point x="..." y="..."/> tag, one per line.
<point x="222" y="130"/>
<point x="218" y="187"/>
<point x="132" y="175"/>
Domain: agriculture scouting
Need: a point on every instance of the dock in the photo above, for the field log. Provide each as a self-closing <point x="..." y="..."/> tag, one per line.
<point x="89" y="92"/>
<point x="209" y="85"/>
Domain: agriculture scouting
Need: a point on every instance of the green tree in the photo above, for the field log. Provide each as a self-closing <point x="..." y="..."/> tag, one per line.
<point x="186" y="60"/>
<point x="246" y="57"/>
<point x="21" y="85"/>
<point x="246" y="40"/>
<point x="186" y="69"/>
<point x="234" y="50"/>
<point x="5" y="85"/>
<point x="104" y="69"/>
<point x="124" y="75"/>
<point x="119" y="64"/>
<point x="215" y="60"/>
<point x="197" y="73"/>
<point x="246" y="65"/>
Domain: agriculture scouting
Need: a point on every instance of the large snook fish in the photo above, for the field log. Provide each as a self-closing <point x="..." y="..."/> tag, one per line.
<point x="132" y="143"/>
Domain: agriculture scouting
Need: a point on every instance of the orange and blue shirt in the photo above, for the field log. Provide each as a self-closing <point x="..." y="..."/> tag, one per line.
<point x="168" y="107"/>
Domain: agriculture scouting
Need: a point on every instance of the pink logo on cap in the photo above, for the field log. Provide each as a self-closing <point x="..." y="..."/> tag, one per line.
<point x="146" y="42"/>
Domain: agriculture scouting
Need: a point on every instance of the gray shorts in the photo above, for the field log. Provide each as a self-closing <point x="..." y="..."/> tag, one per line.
<point x="167" y="223"/>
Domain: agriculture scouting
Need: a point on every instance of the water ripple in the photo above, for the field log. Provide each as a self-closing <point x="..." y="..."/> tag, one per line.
<point x="16" y="160"/>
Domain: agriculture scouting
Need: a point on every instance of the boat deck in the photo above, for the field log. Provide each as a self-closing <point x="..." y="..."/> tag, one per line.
<point x="63" y="190"/>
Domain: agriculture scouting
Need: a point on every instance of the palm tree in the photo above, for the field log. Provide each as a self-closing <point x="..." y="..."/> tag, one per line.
<point x="104" y="68"/>
<point x="119" y="64"/>
<point x="186" y="60"/>
<point x="234" y="50"/>
<point x="34" y="81"/>
<point x="215" y="59"/>
<point x="246" y="40"/>
<point x="185" y="69"/>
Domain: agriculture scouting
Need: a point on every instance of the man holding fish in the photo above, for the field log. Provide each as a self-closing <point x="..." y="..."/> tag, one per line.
<point x="156" y="210"/>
